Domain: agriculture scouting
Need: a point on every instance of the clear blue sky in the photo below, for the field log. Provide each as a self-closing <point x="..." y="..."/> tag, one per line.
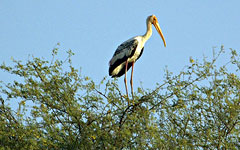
<point x="94" y="29"/>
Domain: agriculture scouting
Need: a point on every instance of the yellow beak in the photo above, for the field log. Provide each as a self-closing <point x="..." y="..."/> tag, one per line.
<point x="156" y="25"/>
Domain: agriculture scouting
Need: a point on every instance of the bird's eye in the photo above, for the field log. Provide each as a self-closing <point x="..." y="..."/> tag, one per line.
<point x="154" y="19"/>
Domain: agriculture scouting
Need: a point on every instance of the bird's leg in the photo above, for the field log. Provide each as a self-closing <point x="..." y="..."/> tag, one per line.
<point x="125" y="80"/>
<point x="131" y="82"/>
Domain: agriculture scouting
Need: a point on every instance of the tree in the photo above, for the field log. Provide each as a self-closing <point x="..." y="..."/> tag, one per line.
<point x="198" y="108"/>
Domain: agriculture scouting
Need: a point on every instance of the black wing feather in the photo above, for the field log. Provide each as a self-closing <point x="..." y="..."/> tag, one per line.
<point x="122" y="71"/>
<point x="130" y="48"/>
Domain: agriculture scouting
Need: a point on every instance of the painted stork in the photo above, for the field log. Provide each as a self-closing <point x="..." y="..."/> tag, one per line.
<point x="130" y="51"/>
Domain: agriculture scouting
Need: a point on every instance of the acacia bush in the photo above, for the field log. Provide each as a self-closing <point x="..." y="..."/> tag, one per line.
<point x="58" y="108"/>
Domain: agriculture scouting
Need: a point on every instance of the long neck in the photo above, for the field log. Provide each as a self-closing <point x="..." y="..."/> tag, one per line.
<point x="148" y="33"/>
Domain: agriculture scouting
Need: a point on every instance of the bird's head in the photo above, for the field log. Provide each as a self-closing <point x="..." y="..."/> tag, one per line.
<point x="154" y="21"/>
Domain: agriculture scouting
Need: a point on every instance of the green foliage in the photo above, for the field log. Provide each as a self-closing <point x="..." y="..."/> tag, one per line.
<point x="199" y="108"/>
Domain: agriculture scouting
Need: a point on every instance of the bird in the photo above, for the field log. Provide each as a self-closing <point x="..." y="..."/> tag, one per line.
<point x="130" y="51"/>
